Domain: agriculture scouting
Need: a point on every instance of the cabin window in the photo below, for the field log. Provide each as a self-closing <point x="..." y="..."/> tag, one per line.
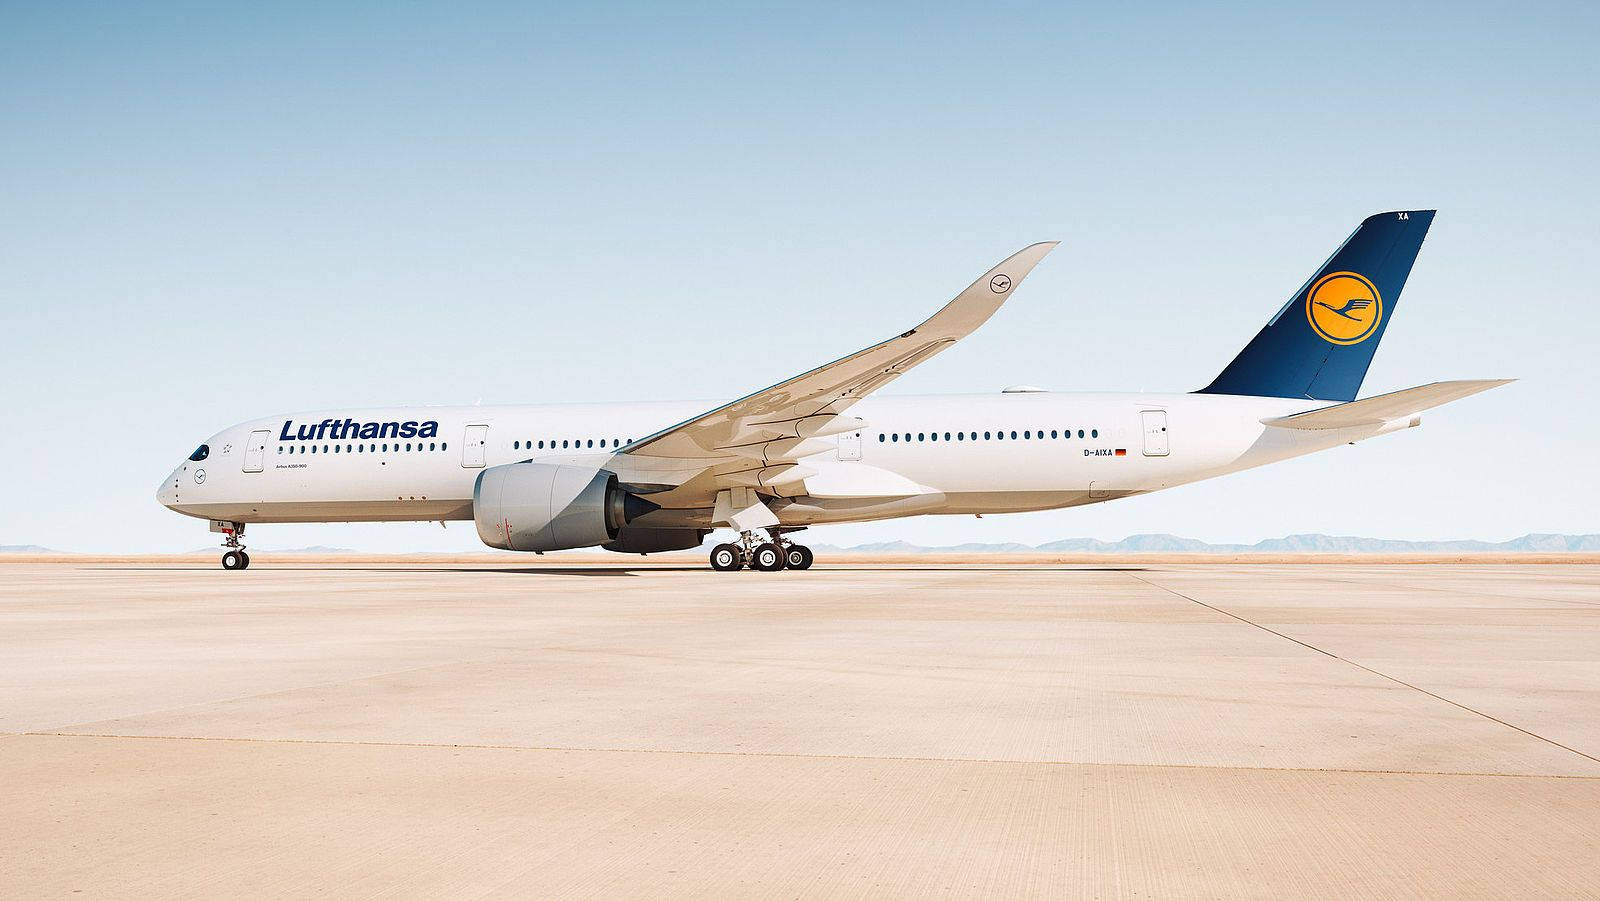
<point x="1080" y="433"/>
<point x="986" y="436"/>
<point x="961" y="436"/>
<point x="895" y="437"/>
<point x="516" y="445"/>
<point x="444" y="445"/>
<point x="882" y="437"/>
<point x="1094" y="433"/>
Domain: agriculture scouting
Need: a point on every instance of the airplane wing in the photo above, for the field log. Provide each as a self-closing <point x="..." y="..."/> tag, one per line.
<point x="1382" y="408"/>
<point x="753" y="441"/>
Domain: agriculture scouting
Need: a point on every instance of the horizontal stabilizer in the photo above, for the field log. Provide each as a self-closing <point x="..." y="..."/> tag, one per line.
<point x="1384" y="408"/>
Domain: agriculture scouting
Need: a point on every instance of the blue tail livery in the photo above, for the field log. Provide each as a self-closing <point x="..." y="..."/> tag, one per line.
<point x="1320" y="344"/>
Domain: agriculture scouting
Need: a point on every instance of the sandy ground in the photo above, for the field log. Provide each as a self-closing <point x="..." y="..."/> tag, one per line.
<point x="920" y="728"/>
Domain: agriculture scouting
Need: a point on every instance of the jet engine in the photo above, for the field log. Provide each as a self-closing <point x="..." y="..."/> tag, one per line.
<point x="551" y="507"/>
<point x="641" y="540"/>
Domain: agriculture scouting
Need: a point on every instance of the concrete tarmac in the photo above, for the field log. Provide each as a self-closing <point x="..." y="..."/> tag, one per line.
<point x="1107" y="730"/>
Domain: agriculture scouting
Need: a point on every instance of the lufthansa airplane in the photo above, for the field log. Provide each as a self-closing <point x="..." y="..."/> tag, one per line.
<point x="823" y="447"/>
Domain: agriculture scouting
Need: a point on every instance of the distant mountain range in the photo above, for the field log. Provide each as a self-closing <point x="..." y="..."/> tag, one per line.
<point x="1291" y="544"/>
<point x="1133" y="544"/>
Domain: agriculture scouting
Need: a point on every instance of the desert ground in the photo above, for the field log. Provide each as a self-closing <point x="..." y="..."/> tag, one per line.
<point x="902" y="727"/>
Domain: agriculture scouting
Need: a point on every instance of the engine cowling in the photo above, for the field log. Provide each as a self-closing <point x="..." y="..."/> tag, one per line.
<point x="551" y="507"/>
<point x="644" y="540"/>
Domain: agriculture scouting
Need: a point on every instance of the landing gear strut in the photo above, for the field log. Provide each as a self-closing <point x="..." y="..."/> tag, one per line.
<point x="234" y="557"/>
<point x="762" y="556"/>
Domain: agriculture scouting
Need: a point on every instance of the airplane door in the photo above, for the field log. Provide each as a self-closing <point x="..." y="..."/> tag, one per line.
<point x="1155" y="432"/>
<point x="474" y="446"/>
<point x="255" y="451"/>
<point x="850" y="446"/>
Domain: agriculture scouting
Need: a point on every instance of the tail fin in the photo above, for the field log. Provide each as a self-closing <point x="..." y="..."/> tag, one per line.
<point x="1320" y="344"/>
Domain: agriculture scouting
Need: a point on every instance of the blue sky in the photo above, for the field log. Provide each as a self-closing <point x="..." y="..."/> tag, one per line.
<point x="209" y="214"/>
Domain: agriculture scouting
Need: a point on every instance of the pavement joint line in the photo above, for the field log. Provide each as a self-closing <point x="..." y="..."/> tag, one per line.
<point x="1394" y="679"/>
<point x="1481" y="594"/>
<point x="796" y="756"/>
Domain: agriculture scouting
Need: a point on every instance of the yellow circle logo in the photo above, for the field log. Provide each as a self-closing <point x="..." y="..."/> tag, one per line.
<point x="1344" y="308"/>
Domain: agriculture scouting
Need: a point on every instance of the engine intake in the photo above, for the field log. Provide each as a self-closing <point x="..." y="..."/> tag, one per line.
<point x="551" y="507"/>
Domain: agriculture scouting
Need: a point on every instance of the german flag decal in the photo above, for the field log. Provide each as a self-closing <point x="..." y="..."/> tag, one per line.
<point x="1122" y="452"/>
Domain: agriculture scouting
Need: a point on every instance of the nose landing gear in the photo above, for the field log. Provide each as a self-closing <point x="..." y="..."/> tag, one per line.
<point x="762" y="556"/>
<point x="234" y="557"/>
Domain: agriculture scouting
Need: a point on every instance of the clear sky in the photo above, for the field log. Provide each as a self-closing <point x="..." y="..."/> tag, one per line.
<point x="210" y="212"/>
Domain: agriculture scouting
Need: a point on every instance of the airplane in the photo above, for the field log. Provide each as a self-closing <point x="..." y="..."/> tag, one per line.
<point x="824" y="447"/>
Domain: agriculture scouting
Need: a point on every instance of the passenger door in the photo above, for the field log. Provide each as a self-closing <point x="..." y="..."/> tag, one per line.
<point x="255" y="451"/>
<point x="475" y="446"/>
<point x="1155" y="433"/>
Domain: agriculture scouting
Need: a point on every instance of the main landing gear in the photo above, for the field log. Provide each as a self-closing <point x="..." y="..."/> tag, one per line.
<point x="762" y="556"/>
<point x="234" y="557"/>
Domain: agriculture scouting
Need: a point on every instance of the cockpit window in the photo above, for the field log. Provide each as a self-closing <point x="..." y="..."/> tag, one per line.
<point x="200" y="453"/>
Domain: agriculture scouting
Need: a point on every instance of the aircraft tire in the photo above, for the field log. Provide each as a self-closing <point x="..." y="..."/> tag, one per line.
<point x="798" y="556"/>
<point x="768" y="558"/>
<point x="726" y="558"/>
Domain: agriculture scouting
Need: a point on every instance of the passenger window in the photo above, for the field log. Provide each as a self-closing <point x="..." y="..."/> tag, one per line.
<point x="1094" y="433"/>
<point x="1028" y="434"/>
<point x="1052" y="433"/>
<point x="961" y="436"/>
<point x="408" y="445"/>
<point x="516" y="445"/>
<point x="895" y="437"/>
<point x="431" y="446"/>
<point x="1013" y="436"/>
<point x="591" y="442"/>
<point x="921" y="436"/>
<point x="1080" y="433"/>
<point x="986" y="436"/>
<point x="947" y="436"/>
<point x="280" y="448"/>
<point x="882" y="437"/>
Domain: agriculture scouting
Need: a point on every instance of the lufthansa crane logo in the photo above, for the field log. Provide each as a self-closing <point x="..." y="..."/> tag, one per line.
<point x="1344" y="308"/>
<point x="1000" y="284"/>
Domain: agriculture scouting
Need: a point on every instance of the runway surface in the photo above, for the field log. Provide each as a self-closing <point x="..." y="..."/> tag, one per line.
<point x="862" y="731"/>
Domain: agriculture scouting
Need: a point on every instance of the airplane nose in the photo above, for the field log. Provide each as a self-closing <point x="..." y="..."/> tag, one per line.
<point x="167" y="492"/>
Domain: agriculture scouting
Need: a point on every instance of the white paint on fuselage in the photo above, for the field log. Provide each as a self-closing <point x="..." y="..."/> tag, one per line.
<point x="351" y="480"/>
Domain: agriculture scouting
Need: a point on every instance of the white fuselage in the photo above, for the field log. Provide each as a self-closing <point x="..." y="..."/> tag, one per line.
<point x="918" y="455"/>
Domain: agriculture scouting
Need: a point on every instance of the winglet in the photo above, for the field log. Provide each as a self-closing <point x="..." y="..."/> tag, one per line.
<point x="973" y="307"/>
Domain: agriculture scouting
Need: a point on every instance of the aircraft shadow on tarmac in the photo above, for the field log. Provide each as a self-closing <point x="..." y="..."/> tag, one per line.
<point x="642" y="570"/>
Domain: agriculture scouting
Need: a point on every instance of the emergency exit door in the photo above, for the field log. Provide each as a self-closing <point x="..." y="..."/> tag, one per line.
<point x="474" y="446"/>
<point x="1155" y="433"/>
<point x="850" y="446"/>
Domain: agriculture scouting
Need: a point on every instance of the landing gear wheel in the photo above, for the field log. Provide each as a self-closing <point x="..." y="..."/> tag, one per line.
<point x="235" y="560"/>
<point x="797" y="556"/>
<point x="725" y="558"/>
<point x="245" y="564"/>
<point x="768" y="558"/>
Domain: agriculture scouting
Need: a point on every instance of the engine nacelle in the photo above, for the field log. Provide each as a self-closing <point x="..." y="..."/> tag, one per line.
<point x="551" y="507"/>
<point x="637" y="540"/>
